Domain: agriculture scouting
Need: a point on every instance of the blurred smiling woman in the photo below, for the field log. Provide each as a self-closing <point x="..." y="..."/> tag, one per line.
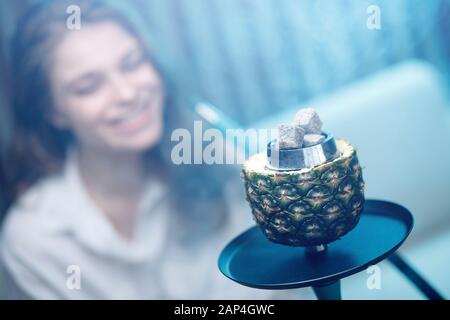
<point x="97" y="211"/>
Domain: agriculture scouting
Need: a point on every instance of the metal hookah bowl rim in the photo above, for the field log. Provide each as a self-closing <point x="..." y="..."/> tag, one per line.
<point x="299" y="158"/>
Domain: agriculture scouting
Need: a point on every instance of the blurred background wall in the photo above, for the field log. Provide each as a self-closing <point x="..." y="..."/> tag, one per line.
<point x="255" y="57"/>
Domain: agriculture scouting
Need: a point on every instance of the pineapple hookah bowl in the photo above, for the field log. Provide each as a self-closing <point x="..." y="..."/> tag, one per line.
<point x="307" y="196"/>
<point x="306" y="201"/>
<point x="299" y="158"/>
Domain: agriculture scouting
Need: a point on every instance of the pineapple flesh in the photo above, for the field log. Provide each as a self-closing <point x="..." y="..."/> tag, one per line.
<point x="306" y="207"/>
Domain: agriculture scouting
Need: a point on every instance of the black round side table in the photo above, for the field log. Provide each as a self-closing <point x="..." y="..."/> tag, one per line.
<point x="254" y="261"/>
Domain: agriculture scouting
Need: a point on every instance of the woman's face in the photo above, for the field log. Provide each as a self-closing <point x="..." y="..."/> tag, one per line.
<point x="106" y="91"/>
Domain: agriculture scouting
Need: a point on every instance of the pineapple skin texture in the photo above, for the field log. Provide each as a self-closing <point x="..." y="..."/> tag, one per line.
<point x="307" y="207"/>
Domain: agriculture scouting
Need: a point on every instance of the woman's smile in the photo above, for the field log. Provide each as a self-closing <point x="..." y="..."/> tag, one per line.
<point x="138" y="118"/>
